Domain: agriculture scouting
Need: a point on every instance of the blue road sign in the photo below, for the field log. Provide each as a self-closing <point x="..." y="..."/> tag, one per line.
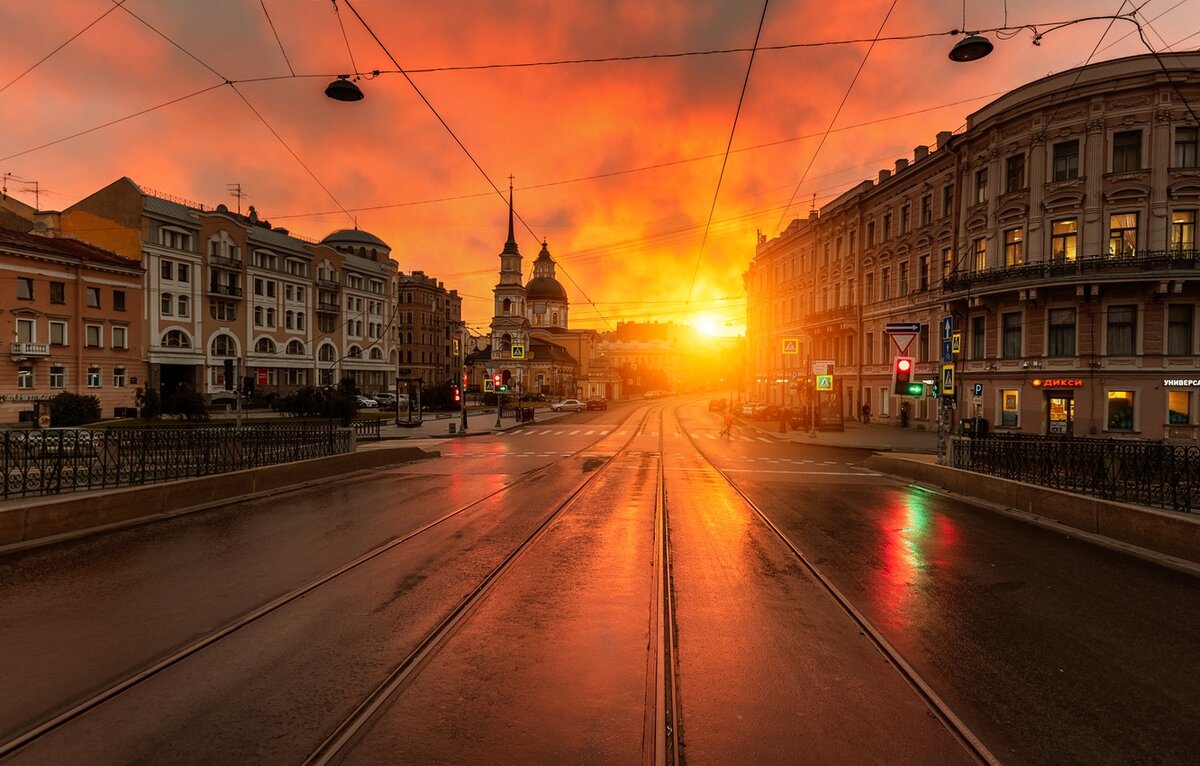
<point x="947" y="328"/>
<point x="947" y="350"/>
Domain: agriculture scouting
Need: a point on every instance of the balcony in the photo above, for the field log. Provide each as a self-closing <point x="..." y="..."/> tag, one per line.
<point x="328" y="307"/>
<point x="225" y="263"/>
<point x="329" y="284"/>
<point x="1149" y="264"/>
<point x="30" y="349"/>
<point x="227" y="290"/>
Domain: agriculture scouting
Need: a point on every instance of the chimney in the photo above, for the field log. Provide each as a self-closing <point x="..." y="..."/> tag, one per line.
<point x="901" y="165"/>
<point x="920" y="153"/>
<point x="884" y="175"/>
<point x="943" y="138"/>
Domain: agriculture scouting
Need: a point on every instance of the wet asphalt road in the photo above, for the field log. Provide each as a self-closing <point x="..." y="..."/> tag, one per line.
<point x="1050" y="649"/>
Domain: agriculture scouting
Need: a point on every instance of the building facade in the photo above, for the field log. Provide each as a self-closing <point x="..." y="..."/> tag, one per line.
<point x="1053" y="239"/>
<point x="73" y="313"/>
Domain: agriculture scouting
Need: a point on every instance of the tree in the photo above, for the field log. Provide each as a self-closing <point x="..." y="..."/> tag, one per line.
<point x="68" y="409"/>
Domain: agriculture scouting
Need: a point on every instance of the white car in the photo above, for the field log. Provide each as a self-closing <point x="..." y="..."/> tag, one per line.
<point x="367" y="402"/>
<point x="568" y="405"/>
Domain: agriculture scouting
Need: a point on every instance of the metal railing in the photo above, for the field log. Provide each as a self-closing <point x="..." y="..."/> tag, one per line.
<point x="1153" y="474"/>
<point x="70" y="459"/>
<point x="367" y="428"/>
<point x="1141" y="260"/>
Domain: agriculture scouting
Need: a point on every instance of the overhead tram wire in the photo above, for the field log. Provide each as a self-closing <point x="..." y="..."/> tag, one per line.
<point x="461" y="145"/>
<point x="68" y="41"/>
<point x="233" y="86"/>
<point x="728" y="145"/>
<point x="836" y="114"/>
<point x="275" y="32"/>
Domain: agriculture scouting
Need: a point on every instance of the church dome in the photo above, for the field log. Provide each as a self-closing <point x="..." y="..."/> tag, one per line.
<point x="545" y="289"/>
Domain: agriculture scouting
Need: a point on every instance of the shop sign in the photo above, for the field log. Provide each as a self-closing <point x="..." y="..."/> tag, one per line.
<point x="25" y="397"/>
<point x="1057" y="383"/>
<point x="1181" y="383"/>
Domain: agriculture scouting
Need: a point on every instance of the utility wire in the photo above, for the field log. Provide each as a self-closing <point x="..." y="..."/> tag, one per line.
<point x="275" y="32"/>
<point x="69" y="40"/>
<point x="728" y="145"/>
<point x="838" y="112"/>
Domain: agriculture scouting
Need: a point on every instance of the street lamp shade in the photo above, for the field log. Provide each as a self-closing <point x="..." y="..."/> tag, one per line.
<point x="342" y="89"/>
<point x="971" y="48"/>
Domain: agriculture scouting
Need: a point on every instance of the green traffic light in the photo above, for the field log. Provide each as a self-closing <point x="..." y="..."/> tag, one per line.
<point x="914" y="389"/>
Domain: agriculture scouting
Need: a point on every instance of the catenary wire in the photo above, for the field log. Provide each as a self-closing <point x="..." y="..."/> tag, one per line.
<point x="65" y="43"/>
<point x="275" y="32"/>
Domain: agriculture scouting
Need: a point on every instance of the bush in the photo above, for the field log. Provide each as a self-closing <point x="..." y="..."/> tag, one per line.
<point x="149" y="404"/>
<point x="188" y="403"/>
<point x="68" y="409"/>
<point x="326" y="402"/>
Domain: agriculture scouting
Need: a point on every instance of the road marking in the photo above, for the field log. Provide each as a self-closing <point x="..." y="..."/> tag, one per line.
<point x="573" y="433"/>
<point x="799" y="473"/>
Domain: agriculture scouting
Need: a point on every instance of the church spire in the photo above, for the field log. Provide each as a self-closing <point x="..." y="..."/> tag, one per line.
<point x="510" y="245"/>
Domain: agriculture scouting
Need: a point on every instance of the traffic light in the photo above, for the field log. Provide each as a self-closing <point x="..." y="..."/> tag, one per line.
<point x="902" y="378"/>
<point x="496" y="381"/>
<point x="248" y="385"/>
<point x="457" y="394"/>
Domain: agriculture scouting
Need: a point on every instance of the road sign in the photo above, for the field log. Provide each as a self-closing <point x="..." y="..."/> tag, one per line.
<point x="488" y="386"/>
<point x="947" y="379"/>
<point x="822" y="366"/>
<point x="947" y="327"/>
<point x="518" y="351"/>
<point x="791" y="346"/>
<point x="892" y="328"/>
<point x="947" y="350"/>
<point x="956" y="343"/>
<point x="902" y="340"/>
<point x="977" y="389"/>
<point x="824" y="382"/>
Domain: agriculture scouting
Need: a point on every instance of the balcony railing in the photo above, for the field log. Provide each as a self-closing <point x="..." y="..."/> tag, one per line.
<point x="327" y="307"/>
<point x="1141" y="261"/>
<point x="329" y="284"/>
<point x="225" y="263"/>
<point x="31" y="349"/>
<point x="232" y="292"/>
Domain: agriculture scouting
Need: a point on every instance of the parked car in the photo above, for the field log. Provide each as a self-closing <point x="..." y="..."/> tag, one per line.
<point x="770" y="412"/>
<point x="748" y="409"/>
<point x="568" y="405"/>
<point x="716" y="405"/>
<point x="597" y="403"/>
<point x="385" y="399"/>
<point x="366" y="401"/>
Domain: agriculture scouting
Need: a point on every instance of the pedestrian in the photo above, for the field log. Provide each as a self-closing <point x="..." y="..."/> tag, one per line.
<point x="904" y="414"/>
<point x="728" y="429"/>
<point x="866" y="413"/>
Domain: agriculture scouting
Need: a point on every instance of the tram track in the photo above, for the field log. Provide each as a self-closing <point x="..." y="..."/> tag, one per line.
<point x="938" y="708"/>
<point x="348" y="732"/>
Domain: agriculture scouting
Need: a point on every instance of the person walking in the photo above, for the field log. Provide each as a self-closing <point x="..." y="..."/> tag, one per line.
<point x="728" y="429"/>
<point x="866" y="413"/>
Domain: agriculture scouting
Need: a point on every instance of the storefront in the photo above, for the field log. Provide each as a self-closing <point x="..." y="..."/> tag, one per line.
<point x="1059" y="399"/>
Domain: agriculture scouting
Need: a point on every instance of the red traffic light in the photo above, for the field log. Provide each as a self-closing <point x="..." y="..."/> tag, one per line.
<point x="496" y="379"/>
<point x="903" y="364"/>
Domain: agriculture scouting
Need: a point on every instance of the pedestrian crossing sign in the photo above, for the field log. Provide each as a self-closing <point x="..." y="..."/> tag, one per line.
<point x="488" y="386"/>
<point x="518" y="351"/>
<point x="947" y="380"/>
<point x="791" y="345"/>
<point x="824" y="382"/>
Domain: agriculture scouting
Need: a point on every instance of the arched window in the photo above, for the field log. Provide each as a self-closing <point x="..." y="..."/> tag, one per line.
<point x="224" y="345"/>
<point x="506" y="306"/>
<point x="265" y="346"/>
<point x="270" y="317"/>
<point x="410" y="337"/>
<point x="295" y="348"/>
<point x="176" y="339"/>
<point x="354" y="353"/>
<point x="376" y="353"/>
<point x="327" y="353"/>
<point x="168" y="304"/>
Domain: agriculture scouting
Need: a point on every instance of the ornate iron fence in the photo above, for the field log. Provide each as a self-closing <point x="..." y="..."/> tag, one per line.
<point x="1154" y="474"/>
<point x="367" y="428"/>
<point x="69" y="459"/>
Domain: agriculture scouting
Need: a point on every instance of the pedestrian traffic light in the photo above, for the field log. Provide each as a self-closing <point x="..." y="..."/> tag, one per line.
<point x="457" y="394"/>
<point x="496" y="381"/>
<point x="902" y="378"/>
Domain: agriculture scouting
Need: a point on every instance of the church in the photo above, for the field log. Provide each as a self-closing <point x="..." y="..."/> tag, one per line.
<point x="532" y="345"/>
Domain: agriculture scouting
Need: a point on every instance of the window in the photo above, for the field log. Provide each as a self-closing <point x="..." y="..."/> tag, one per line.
<point x="58" y="292"/>
<point x="1066" y="160"/>
<point x="947" y="200"/>
<point x="1187" y="141"/>
<point x="222" y="310"/>
<point x="979" y="247"/>
<point x="1120" y="411"/>
<point x="927" y="210"/>
<point x="167" y="307"/>
<point x="1183" y="230"/>
<point x="869" y="349"/>
<point x="1060" y="339"/>
<point x="258" y="316"/>
<point x="1179" y="408"/>
<point x="58" y="333"/>
<point x="977" y="338"/>
<point x="903" y="278"/>
<point x="1122" y="330"/>
<point x="923" y="273"/>
<point x="264" y="346"/>
<point x="25" y="288"/>
<point x="120" y="337"/>
<point x="1122" y="235"/>
<point x="58" y="376"/>
<point x="167" y="270"/>
<point x="947" y="262"/>
<point x="981" y="182"/>
<point x="118" y="377"/>
<point x="1010" y="409"/>
<point x="1127" y="151"/>
<point x="183" y="304"/>
<point x="295" y="348"/>
<point x="1011" y="346"/>
<point x="25" y="377"/>
<point x="886" y="232"/>
<point x="905" y="218"/>
<point x="869" y="288"/>
<point x="93" y="377"/>
<point x="1014" y="248"/>
<point x="1014" y="173"/>
<point x="270" y="289"/>
<point x="870" y="233"/>
<point x="93" y="297"/>
<point x="93" y="335"/>
<point x="182" y="273"/>
<point x="26" y="331"/>
<point x="223" y="345"/>
<point x="176" y="339"/>
<point x="885" y="284"/>
<point x="1064" y="241"/>
<point x="1180" y="320"/>
<point x="118" y="300"/>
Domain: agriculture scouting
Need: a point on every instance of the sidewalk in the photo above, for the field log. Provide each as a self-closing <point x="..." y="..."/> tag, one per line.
<point x="877" y="436"/>
<point x="436" y="425"/>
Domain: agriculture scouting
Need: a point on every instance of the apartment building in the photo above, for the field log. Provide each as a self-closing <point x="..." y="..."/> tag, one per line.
<point x="1054" y="238"/>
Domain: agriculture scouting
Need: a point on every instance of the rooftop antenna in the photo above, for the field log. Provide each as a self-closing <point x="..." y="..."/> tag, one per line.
<point x="812" y="210"/>
<point x="235" y="190"/>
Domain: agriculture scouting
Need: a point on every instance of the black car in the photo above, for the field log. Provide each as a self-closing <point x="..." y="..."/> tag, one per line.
<point x="597" y="403"/>
<point x="716" y="405"/>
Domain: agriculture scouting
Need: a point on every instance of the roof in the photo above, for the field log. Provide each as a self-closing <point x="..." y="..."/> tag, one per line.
<point x="354" y="237"/>
<point x="545" y="288"/>
<point x="61" y="246"/>
<point x="551" y="352"/>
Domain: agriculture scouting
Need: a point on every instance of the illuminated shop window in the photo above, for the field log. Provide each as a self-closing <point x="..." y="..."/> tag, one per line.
<point x="1119" y="411"/>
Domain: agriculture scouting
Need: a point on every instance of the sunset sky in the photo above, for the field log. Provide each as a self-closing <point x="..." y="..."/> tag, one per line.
<point x="616" y="164"/>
